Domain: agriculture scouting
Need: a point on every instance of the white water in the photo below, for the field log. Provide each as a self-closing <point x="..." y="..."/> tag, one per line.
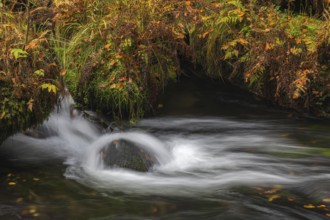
<point x="196" y="156"/>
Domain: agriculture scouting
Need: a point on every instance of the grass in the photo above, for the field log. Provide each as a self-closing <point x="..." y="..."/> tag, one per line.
<point x="117" y="57"/>
<point x="26" y="67"/>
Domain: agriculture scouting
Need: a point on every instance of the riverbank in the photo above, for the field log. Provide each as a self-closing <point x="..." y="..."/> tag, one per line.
<point x="118" y="57"/>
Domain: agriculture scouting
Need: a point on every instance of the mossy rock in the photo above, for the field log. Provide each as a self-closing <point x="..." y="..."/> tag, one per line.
<point x="125" y="154"/>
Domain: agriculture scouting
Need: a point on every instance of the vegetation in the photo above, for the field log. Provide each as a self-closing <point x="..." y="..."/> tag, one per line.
<point x="117" y="56"/>
<point x="28" y="85"/>
<point x="121" y="57"/>
<point x="280" y="56"/>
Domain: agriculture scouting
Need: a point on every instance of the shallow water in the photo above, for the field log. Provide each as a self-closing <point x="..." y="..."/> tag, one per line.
<point x="222" y="155"/>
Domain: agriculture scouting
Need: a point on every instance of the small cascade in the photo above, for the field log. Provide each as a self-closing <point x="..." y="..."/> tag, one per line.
<point x="193" y="155"/>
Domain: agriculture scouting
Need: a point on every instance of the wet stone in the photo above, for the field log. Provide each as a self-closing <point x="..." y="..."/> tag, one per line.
<point x="125" y="154"/>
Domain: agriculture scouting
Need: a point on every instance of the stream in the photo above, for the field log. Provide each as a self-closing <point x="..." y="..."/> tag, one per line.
<point x="222" y="154"/>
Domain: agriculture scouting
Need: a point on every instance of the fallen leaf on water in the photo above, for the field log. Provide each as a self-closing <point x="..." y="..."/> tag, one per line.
<point x="32" y="209"/>
<point x="326" y="200"/>
<point x="11" y="183"/>
<point x="36" y="179"/>
<point x="309" y="206"/>
<point x="328" y="214"/>
<point x="321" y="206"/>
<point x="19" y="200"/>
<point x="291" y="199"/>
<point x="271" y="191"/>
<point x="273" y="197"/>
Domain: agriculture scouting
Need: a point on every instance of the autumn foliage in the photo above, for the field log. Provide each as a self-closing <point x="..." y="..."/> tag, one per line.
<point x="274" y="54"/>
<point x="118" y="56"/>
<point x="27" y="71"/>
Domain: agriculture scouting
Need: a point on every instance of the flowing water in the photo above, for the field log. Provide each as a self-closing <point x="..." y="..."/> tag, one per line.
<point x="221" y="154"/>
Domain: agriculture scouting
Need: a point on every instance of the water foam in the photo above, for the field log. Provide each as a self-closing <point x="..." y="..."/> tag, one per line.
<point x="193" y="158"/>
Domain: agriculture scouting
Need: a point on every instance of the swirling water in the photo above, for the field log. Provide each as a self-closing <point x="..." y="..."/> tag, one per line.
<point x="210" y="167"/>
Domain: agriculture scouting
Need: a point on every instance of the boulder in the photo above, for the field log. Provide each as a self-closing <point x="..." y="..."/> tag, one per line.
<point x="125" y="154"/>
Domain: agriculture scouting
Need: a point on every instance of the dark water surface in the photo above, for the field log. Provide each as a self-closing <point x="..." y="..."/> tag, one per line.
<point x="223" y="155"/>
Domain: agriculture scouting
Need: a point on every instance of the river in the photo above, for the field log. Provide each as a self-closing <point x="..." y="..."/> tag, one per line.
<point x="222" y="154"/>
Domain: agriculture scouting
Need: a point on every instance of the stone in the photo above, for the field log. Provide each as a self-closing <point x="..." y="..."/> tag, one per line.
<point x="125" y="154"/>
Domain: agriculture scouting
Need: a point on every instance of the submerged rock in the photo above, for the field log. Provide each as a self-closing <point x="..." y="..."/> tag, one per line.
<point x="125" y="154"/>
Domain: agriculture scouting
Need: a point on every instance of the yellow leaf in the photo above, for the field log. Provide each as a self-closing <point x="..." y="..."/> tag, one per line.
<point x="113" y="86"/>
<point x="272" y="191"/>
<point x="273" y="197"/>
<point x="308" y="42"/>
<point x="309" y="206"/>
<point x="49" y="87"/>
<point x="107" y="46"/>
<point x="32" y="210"/>
<point x="296" y="95"/>
<point x="11" y="183"/>
<point x="205" y="18"/>
<point x="243" y="41"/>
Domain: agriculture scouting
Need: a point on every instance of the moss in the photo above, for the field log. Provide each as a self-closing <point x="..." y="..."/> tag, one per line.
<point x="136" y="163"/>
